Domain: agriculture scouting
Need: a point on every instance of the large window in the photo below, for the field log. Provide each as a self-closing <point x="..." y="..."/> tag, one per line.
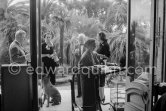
<point x="139" y="36"/>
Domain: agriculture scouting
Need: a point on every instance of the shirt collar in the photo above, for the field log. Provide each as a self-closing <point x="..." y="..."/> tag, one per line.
<point x="18" y="43"/>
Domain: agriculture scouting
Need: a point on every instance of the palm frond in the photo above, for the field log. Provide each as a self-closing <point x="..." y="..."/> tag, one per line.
<point x="46" y="7"/>
<point x="117" y="46"/>
<point x="9" y="2"/>
<point x="117" y="15"/>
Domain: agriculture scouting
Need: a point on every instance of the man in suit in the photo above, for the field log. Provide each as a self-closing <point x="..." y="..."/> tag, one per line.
<point x="16" y="51"/>
<point x="81" y="50"/>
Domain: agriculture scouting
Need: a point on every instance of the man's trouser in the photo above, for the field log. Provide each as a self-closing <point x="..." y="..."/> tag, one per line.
<point x="79" y="85"/>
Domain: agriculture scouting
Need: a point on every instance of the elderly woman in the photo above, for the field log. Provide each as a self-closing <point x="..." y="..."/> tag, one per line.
<point x="81" y="38"/>
<point x="89" y="81"/>
<point x="49" y="57"/>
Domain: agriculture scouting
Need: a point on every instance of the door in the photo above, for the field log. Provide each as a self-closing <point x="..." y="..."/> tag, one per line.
<point x="157" y="61"/>
<point x="138" y="53"/>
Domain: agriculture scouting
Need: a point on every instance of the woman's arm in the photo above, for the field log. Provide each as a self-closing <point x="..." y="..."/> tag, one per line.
<point x="46" y="55"/>
<point x="100" y="55"/>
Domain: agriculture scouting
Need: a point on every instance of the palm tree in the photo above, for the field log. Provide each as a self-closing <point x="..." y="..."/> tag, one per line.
<point x="11" y="8"/>
<point x="116" y="15"/>
<point x="46" y="8"/>
<point x="118" y="41"/>
<point x="9" y="25"/>
<point x="63" y="23"/>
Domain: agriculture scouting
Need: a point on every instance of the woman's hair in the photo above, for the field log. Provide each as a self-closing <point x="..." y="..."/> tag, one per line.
<point x="102" y="36"/>
<point x="48" y="33"/>
<point x="90" y="43"/>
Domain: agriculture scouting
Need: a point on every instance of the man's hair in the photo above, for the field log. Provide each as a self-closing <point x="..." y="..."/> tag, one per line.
<point x="82" y="38"/>
<point x="90" y="42"/>
<point x="48" y="33"/>
<point x="19" y="33"/>
<point x="81" y="35"/>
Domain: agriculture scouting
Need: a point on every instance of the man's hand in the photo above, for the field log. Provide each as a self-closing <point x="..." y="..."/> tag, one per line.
<point x="103" y="56"/>
<point x="100" y="55"/>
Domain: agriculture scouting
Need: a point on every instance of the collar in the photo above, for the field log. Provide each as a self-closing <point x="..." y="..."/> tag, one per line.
<point x="18" y="43"/>
<point x="102" y="43"/>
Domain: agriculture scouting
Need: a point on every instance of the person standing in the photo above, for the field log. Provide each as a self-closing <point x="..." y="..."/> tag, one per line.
<point x="89" y="77"/>
<point x="103" y="45"/>
<point x="81" y="50"/>
<point x="16" y="50"/>
<point x="49" y="58"/>
<point x="103" y="49"/>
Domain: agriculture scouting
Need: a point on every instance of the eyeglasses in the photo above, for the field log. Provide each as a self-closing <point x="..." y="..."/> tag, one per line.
<point x="48" y="37"/>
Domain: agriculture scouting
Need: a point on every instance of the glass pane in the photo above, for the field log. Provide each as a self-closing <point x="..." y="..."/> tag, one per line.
<point x="140" y="31"/>
<point x="15" y="48"/>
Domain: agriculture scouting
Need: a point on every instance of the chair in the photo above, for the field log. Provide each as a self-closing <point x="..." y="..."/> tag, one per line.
<point x="137" y="97"/>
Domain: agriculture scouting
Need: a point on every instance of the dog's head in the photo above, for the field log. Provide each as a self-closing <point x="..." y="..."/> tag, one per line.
<point x="45" y="79"/>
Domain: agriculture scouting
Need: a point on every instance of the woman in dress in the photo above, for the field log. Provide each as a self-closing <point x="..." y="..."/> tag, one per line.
<point x="104" y="50"/>
<point x="49" y="57"/>
<point x="89" y="77"/>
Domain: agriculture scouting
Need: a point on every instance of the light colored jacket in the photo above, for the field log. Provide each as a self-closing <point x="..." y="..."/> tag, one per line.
<point x="16" y="53"/>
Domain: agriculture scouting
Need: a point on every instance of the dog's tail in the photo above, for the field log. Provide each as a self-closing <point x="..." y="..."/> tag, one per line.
<point x="56" y="97"/>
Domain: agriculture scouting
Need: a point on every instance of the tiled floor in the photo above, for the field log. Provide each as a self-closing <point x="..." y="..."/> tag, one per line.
<point x="65" y="90"/>
<point x="64" y="106"/>
<point x="66" y="100"/>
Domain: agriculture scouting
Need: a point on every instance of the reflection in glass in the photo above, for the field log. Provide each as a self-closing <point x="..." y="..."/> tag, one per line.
<point x="140" y="34"/>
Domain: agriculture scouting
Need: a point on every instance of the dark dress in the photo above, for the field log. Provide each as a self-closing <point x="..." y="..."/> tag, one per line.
<point x="104" y="50"/>
<point x="161" y="104"/>
<point x="89" y="83"/>
<point x="48" y="63"/>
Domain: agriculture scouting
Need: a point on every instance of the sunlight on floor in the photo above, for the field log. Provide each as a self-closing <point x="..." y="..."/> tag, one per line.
<point x="64" y="106"/>
<point x="66" y="101"/>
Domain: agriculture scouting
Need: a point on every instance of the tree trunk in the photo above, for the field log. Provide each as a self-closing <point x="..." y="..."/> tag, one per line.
<point x="3" y="5"/>
<point x="61" y="43"/>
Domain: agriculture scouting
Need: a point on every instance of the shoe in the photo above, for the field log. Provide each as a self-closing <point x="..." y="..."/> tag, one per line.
<point x="78" y="96"/>
<point x="51" y="101"/>
<point x="103" y="100"/>
<point x="55" y="103"/>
